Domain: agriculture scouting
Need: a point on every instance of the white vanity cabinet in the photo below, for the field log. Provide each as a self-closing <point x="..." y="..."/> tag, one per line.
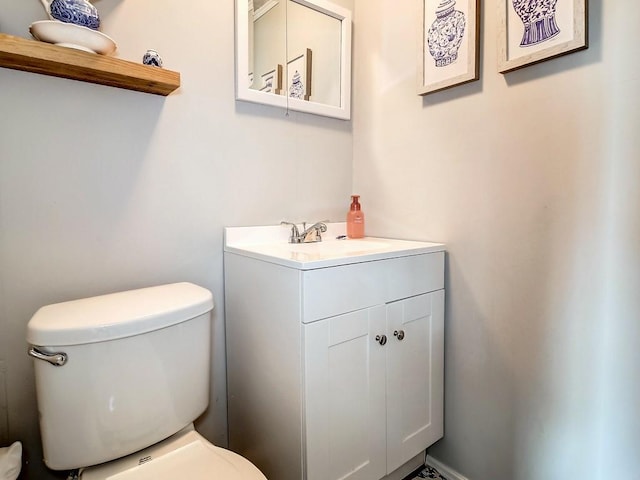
<point x="334" y="372"/>
<point x="370" y="407"/>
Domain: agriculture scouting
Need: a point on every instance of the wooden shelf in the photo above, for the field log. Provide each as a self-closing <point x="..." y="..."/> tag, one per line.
<point x="39" y="57"/>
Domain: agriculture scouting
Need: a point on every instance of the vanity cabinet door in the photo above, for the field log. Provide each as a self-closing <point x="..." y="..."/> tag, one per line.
<point x="415" y="371"/>
<point x="344" y="390"/>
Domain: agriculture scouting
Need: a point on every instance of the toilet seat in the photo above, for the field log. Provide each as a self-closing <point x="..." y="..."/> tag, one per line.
<point x="185" y="455"/>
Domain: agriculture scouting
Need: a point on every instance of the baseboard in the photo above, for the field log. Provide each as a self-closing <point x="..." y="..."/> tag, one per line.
<point x="445" y="470"/>
<point x="409" y="467"/>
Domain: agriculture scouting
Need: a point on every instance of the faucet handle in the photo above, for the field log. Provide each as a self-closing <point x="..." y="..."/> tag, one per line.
<point x="295" y="234"/>
<point x="322" y="225"/>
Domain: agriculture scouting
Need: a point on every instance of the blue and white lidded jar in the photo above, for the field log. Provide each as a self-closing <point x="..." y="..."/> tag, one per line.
<point x="296" y="90"/>
<point x="151" y="57"/>
<point x="446" y="33"/>
<point x="78" y="12"/>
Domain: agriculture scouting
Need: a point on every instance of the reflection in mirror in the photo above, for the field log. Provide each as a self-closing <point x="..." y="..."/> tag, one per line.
<point x="313" y="50"/>
<point x="295" y="54"/>
<point x="319" y="33"/>
<point x="267" y="41"/>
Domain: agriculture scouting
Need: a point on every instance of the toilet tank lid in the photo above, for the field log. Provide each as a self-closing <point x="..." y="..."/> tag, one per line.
<point x="117" y="315"/>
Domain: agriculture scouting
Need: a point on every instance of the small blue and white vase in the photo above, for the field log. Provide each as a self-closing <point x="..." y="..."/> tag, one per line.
<point x="151" y="57"/>
<point x="539" y="19"/>
<point x="446" y="33"/>
<point x="78" y="12"/>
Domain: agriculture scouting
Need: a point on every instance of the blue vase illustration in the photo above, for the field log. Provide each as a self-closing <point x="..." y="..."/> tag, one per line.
<point x="446" y="33"/>
<point x="297" y="87"/>
<point x="539" y="19"/>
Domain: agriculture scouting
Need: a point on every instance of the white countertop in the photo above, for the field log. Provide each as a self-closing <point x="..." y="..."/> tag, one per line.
<point x="271" y="244"/>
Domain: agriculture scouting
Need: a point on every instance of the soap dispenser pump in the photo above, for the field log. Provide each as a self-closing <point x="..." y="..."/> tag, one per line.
<point x="355" y="219"/>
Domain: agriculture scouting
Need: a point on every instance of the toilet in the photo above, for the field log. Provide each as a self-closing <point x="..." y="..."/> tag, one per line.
<point x="120" y="379"/>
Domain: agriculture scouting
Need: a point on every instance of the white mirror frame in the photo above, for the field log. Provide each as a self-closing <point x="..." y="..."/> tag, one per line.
<point x="243" y="92"/>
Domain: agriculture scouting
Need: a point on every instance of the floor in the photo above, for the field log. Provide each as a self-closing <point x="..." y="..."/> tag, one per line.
<point x="426" y="472"/>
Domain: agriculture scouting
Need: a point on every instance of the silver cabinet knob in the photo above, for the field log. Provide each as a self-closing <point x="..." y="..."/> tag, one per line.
<point x="381" y="339"/>
<point x="399" y="334"/>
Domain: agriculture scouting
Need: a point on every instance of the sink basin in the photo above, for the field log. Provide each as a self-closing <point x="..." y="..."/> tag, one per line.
<point x="271" y="244"/>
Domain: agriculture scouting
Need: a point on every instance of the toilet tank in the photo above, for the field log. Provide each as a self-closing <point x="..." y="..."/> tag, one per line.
<point x="136" y="370"/>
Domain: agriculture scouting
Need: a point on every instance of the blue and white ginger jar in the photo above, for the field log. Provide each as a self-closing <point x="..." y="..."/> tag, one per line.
<point x="446" y="33"/>
<point x="78" y="12"/>
<point x="152" y="58"/>
<point x="539" y="19"/>
<point x="297" y="87"/>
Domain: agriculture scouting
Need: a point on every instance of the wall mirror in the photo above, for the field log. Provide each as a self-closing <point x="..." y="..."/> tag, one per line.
<point x="294" y="54"/>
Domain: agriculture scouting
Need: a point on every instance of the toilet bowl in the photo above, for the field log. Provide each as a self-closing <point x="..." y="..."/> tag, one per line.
<point x="120" y="378"/>
<point x="185" y="455"/>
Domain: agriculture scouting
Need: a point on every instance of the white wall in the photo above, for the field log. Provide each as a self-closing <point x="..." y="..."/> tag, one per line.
<point x="532" y="179"/>
<point x="103" y="189"/>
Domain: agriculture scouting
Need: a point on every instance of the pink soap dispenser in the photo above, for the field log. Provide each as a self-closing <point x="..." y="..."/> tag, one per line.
<point x="355" y="219"/>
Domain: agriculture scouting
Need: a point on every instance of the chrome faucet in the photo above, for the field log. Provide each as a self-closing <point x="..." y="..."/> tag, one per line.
<point x="308" y="235"/>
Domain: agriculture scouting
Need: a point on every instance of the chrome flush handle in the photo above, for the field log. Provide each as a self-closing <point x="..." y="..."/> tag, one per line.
<point x="55" y="359"/>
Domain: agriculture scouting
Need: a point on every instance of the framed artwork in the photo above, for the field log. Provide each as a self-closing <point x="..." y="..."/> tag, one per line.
<point x="299" y="76"/>
<point x="449" y="33"/>
<point x="532" y="31"/>
<point x="272" y="81"/>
